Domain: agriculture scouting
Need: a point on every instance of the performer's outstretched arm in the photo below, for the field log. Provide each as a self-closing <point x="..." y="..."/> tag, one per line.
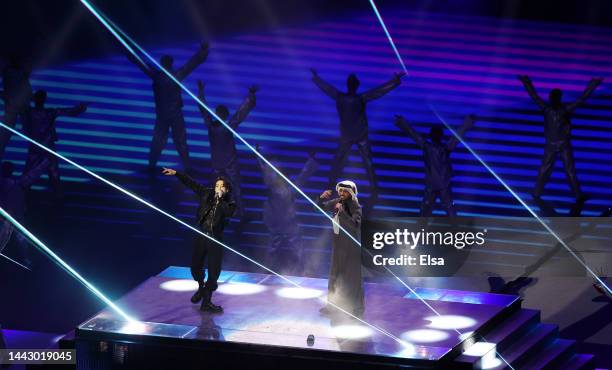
<point x="198" y="58"/>
<point x="72" y="111"/>
<point x="403" y="125"/>
<point x="327" y="88"/>
<point x="206" y="116"/>
<point x="591" y="87"/>
<point x="383" y="89"/>
<point x="199" y="189"/>
<point x="145" y="68"/>
<point x="531" y="91"/>
<point x="325" y="203"/>
<point x="468" y="123"/>
<point x="245" y="108"/>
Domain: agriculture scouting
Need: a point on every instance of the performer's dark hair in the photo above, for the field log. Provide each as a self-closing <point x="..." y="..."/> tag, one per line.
<point x="167" y="61"/>
<point x="226" y="183"/>
<point x="554" y="97"/>
<point x="222" y="111"/>
<point x="436" y="132"/>
<point x="352" y="83"/>
<point x="40" y="96"/>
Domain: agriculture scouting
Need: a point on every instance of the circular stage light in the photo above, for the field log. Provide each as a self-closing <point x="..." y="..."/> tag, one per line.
<point x="408" y="350"/>
<point x="450" y="322"/>
<point x="299" y="293"/>
<point x="240" y="288"/>
<point x="133" y="327"/>
<point x="180" y="285"/>
<point x="351" y="331"/>
<point x="424" y="335"/>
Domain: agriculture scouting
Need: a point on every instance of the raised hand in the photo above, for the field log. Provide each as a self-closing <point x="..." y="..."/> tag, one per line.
<point x="399" y="119"/>
<point x="253" y="89"/>
<point x="398" y="76"/>
<point x="326" y="194"/>
<point x="168" y="171"/>
<point x="523" y="78"/>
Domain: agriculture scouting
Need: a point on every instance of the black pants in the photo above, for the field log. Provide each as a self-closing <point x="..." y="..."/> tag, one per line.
<point x="204" y="248"/>
<point x="365" y="151"/>
<point x="160" y="137"/>
<point x="548" y="163"/>
<point x="429" y="200"/>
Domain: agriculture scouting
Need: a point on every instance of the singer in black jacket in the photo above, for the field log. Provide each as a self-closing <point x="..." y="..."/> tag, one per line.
<point x="216" y="207"/>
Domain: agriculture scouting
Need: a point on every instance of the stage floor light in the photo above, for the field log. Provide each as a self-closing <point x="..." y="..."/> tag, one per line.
<point x="450" y="322"/>
<point x="180" y="285"/>
<point x="424" y="335"/>
<point x="352" y="331"/>
<point x="299" y="293"/>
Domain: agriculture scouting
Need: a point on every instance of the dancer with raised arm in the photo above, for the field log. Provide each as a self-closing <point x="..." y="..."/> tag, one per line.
<point x="557" y="131"/>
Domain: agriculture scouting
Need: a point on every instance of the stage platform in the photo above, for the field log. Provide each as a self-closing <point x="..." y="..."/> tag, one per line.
<point x="266" y="323"/>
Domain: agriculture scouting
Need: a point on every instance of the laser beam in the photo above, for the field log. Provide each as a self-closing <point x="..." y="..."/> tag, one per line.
<point x="172" y="217"/>
<point x="519" y="199"/>
<point x="384" y="27"/>
<point x="15" y="262"/>
<point x="64" y="265"/>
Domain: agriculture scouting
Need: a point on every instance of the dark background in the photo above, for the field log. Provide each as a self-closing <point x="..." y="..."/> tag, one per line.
<point x="64" y="29"/>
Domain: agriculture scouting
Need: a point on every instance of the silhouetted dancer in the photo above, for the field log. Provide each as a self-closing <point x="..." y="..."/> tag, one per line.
<point x="438" y="168"/>
<point x="169" y="105"/>
<point x="12" y="200"/>
<point x="216" y="207"/>
<point x="557" y="131"/>
<point x="223" y="155"/>
<point x="41" y="127"/>
<point x="351" y="107"/>
<point x="345" y="283"/>
<point x="17" y="94"/>
<point x="280" y="217"/>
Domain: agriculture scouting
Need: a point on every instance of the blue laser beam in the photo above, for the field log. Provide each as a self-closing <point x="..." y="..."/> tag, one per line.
<point x="518" y="198"/>
<point x="172" y="217"/>
<point x="15" y="262"/>
<point x="382" y="23"/>
<point x="110" y="24"/>
<point x="64" y="265"/>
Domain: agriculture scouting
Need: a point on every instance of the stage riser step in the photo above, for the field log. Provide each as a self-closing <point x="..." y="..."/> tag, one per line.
<point x="579" y="362"/>
<point x="529" y="344"/>
<point x="558" y="352"/>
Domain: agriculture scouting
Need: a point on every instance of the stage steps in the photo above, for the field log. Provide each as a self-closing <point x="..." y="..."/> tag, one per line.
<point x="524" y="343"/>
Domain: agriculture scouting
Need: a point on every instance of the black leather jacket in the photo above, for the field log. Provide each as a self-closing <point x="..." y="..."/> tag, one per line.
<point x="223" y="210"/>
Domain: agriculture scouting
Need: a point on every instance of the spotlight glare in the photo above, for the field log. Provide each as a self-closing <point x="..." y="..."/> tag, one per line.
<point x="450" y="322"/>
<point x="179" y="285"/>
<point x="424" y="335"/>
<point x="297" y="293"/>
<point x="133" y="327"/>
<point x="240" y="288"/>
<point x="351" y="331"/>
